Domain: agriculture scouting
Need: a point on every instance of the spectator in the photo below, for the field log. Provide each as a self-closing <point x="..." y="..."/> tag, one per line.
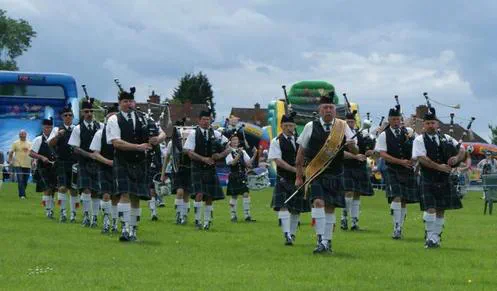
<point x="488" y="165"/>
<point x="21" y="162"/>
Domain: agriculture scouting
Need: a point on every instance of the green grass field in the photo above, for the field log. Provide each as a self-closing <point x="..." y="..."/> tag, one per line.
<point x="244" y="256"/>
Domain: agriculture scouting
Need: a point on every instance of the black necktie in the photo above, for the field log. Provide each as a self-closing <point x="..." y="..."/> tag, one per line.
<point x="290" y="140"/>
<point x="130" y="120"/>
<point x="90" y="127"/>
<point x="434" y="139"/>
<point x="205" y="134"/>
<point x="327" y="127"/>
<point x="397" y="132"/>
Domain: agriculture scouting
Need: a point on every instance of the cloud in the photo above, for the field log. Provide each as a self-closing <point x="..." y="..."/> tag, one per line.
<point x="371" y="50"/>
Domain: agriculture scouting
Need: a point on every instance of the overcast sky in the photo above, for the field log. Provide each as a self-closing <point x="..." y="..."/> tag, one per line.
<point x="370" y="49"/>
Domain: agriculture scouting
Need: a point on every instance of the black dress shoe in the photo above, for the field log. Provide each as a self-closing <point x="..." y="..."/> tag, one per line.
<point x="124" y="236"/>
<point x="155" y="218"/>
<point x="344" y="224"/>
<point x="249" y="219"/>
<point x="288" y="240"/>
<point x="320" y="249"/>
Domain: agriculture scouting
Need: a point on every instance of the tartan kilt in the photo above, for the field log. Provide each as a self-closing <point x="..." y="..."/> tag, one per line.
<point x="182" y="180"/>
<point x="328" y="187"/>
<point x="401" y="183"/>
<point x="439" y="193"/>
<point x="131" y="178"/>
<point x="63" y="169"/>
<point x="206" y="182"/>
<point x="356" y="179"/>
<point x="106" y="180"/>
<point x="88" y="176"/>
<point x="284" y="189"/>
<point x="47" y="179"/>
<point x="237" y="184"/>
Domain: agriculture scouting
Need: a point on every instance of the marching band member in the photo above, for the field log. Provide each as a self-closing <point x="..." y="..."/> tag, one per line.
<point x="45" y="166"/>
<point x="64" y="163"/>
<point x="395" y="148"/>
<point x="318" y="140"/>
<point x="283" y="151"/>
<point x="80" y="139"/>
<point x="356" y="176"/>
<point x="437" y="154"/>
<point x="205" y="146"/>
<point x="238" y="160"/>
<point x="104" y="154"/>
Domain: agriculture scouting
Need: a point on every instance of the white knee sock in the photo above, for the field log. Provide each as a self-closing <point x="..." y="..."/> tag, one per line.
<point x="403" y="214"/>
<point x="294" y="223"/>
<point x="196" y="208"/>
<point x="61" y="200"/>
<point x="45" y="202"/>
<point x="397" y="216"/>
<point x="51" y="202"/>
<point x="439" y="225"/>
<point x="134" y="216"/>
<point x="284" y="217"/>
<point x="246" y="206"/>
<point x="319" y="219"/>
<point x="95" y="206"/>
<point x="430" y="227"/>
<point x="86" y="201"/>
<point x="330" y="220"/>
<point x="179" y="204"/>
<point x="187" y="207"/>
<point x="153" y="206"/>
<point x="73" y="203"/>
<point x="348" y="206"/>
<point x="354" y="212"/>
<point x="106" y="207"/>
<point x="208" y="213"/>
<point x="233" y="206"/>
<point x="124" y="210"/>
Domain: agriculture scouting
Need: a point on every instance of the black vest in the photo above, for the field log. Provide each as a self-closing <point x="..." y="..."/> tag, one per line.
<point x="398" y="147"/>
<point x="288" y="154"/>
<point x="106" y="150"/>
<point x="136" y="136"/>
<point x="63" y="150"/>
<point x="440" y="154"/>
<point x="86" y="135"/>
<point x="46" y="151"/>
<point x="318" y="138"/>
<point x="206" y="147"/>
<point x="238" y="168"/>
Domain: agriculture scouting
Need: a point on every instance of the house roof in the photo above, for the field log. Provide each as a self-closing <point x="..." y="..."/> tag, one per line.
<point x="257" y="116"/>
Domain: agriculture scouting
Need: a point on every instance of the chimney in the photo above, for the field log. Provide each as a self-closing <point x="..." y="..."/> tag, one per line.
<point x="257" y="105"/>
<point x="154" y="98"/>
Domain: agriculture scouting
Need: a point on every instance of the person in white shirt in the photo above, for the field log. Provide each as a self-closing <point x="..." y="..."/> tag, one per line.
<point x="395" y="147"/>
<point x="64" y="164"/>
<point x="283" y="151"/>
<point x="127" y="131"/>
<point x="103" y="153"/>
<point x="437" y="155"/>
<point x="80" y="140"/>
<point x="326" y="190"/>
<point x="238" y="161"/>
<point x="205" y="146"/>
<point x="46" y="181"/>
<point x="488" y="165"/>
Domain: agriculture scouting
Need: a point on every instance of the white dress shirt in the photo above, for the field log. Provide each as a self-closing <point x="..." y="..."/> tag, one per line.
<point x="96" y="142"/>
<point x="381" y="141"/>
<point x="190" y="141"/>
<point x="113" y="131"/>
<point x="37" y="142"/>
<point x="275" y="149"/>
<point x="75" y="139"/>
<point x="55" y="130"/>
<point x="229" y="158"/>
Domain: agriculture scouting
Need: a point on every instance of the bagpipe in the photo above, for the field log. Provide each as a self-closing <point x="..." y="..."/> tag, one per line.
<point x="365" y="140"/>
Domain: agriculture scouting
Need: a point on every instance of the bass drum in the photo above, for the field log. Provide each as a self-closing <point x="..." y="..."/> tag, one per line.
<point x="74" y="177"/>
<point x="258" y="179"/>
<point x="162" y="188"/>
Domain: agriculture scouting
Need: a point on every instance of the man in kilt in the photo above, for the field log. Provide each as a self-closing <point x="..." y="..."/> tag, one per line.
<point x="64" y="163"/>
<point x="205" y="146"/>
<point x="437" y="155"/>
<point x="80" y="139"/>
<point x="356" y="176"/>
<point x="181" y="171"/>
<point x="395" y="147"/>
<point x="238" y="160"/>
<point x="46" y="179"/>
<point x="283" y="151"/>
<point x="326" y="190"/>
<point x="128" y="132"/>
<point x="103" y="153"/>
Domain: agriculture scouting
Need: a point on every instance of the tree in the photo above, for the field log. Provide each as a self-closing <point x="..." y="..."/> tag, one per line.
<point x="194" y="88"/>
<point x="493" y="137"/>
<point x="15" y="39"/>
